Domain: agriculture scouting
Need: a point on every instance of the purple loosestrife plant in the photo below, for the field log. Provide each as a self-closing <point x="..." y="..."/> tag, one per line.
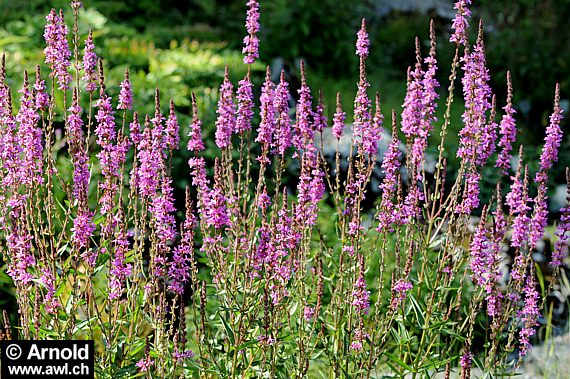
<point x="281" y="268"/>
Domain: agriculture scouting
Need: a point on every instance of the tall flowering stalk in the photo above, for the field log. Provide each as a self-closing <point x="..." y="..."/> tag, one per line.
<point x="303" y="133"/>
<point x="547" y="159"/>
<point x="366" y="132"/>
<point x="517" y="200"/>
<point x="338" y="119"/>
<point x="30" y="136"/>
<point x="477" y="95"/>
<point x="390" y="166"/>
<point x="90" y="64"/>
<point x="507" y="129"/>
<point x="460" y="23"/>
<point x="267" y="125"/>
<point x="111" y="156"/>
<point x="251" y="41"/>
<point x="57" y="51"/>
<point x="195" y="142"/>
<point x="417" y="119"/>
<point x="245" y="105"/>
<point x="529" y="314"/>
<point x="179" y="269"/>
<point x="226" y="121"/>
<point x="83" y="226"/>
<point x="120" y="270"/>
<point x="282" y="139"/>
<point x="172" y="130"/>
<point x="126" y="93"/>
<point x="478" y="133"/>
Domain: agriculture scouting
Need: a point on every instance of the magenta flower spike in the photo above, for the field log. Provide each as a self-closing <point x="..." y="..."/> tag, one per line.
<point x="126" y="93"/>
<point x="42" y="98"/>
<point x="120" y="270"/>
<point x="399" y="292"/>
<point x="245" y="108"/>
<point x="251" y="41"/>
<point x="19" y="243"/>
<point x="517" y="200"/>
<point x="195" y="142"/>
<point x="267" y="124"/>
<point x="226" y="121"/>
<point x="320" y="121"/>
<point x="481" y="253"/>
<point x="163" y="221"/>
<point x="477" y="96"/>
<point x="363" y="128"/>
<point x="507" y="130"/>
<point x="390" y="166"/>
<point x="362" y="41"/>
<point x="57" y="50"/>
<point x="338" y="119"/>
<point x="51" y="302"/>
<point x="30" y="137"/>
<point x="90" y="64"/>
<point x="172" y="130"/>
<point x="215" y="209"/>
<point x="552" y="139"/>
<point x="135" y="130"/>
<point x="303" y="133"/>
<point x="460" y="23"/>
<point x="360" y="296"/>
<point x="470" y="199"/>
<point x="149" y="158"/>
<point x="282" y="140"/>
<point x="79" y="157"/>
<point x="529" y="314"/>
<point x="413" y="107"/>
<point x="179" y="267"/>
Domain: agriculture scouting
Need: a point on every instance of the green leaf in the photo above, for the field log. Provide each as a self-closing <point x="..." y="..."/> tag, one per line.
<point x="228" y="328"/>
<point x="398" y="361"/>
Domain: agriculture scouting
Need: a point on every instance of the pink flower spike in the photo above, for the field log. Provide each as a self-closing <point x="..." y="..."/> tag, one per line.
<point x="362" y="41"/>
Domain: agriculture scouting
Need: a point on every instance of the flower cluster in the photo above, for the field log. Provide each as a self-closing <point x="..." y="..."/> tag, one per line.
<point x="90" y="64"/>
<point x="507" y="129"/>
<point x="251" y="41"/>
<point x="226" y="122"/>
<point x="57" y="51"/>
<point x="460" y="23"/>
